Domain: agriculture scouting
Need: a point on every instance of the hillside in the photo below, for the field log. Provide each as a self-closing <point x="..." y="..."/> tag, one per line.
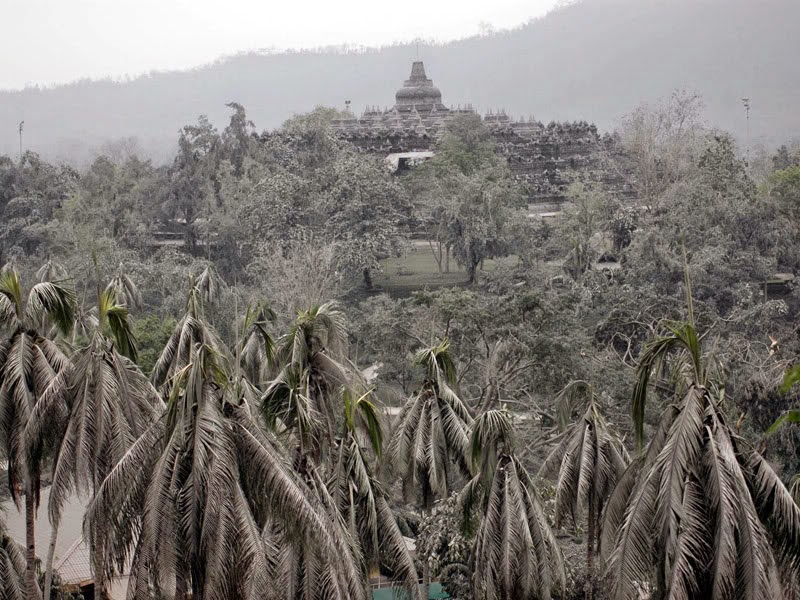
<point x="593" y="60"/>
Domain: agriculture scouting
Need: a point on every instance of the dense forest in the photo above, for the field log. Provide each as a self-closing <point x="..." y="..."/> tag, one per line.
<point x="216" y="354"/>
<point x="591" y="60"/>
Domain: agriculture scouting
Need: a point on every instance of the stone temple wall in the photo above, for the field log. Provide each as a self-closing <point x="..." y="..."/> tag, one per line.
<point x="540" y="156"/>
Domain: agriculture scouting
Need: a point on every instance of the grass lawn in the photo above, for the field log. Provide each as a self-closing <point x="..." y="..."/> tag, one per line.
<point x="417" y="270"/>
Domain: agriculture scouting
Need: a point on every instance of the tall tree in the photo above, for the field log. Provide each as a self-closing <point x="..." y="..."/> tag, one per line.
<point x="95" y="410"/>
<point x="194" y="498"/>
<point x="515" y="553"/>
<point x="303" y="398"/>
<point x="191" y="331"/>
<point x="432" y="429"/>
<point x="361" y="499"/>
<point x="699" y="508"/>
<point x="29" y="363"/>
<point x="431" y="432"/>
<point x="589" y="461"/>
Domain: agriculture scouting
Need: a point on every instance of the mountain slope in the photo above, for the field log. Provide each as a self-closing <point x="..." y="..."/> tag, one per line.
<point x="593" y="60"/>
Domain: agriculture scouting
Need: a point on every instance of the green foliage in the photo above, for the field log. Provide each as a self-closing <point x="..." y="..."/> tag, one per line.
<point x="152" y="333"/>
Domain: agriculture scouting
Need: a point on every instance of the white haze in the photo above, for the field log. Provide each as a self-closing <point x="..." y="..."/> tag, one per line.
<point x="43" y="42"/>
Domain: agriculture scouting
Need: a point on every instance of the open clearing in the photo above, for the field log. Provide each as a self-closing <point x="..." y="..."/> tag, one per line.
<point x="416" y="270"/>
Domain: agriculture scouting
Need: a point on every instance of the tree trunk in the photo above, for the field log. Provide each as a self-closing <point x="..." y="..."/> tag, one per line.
<point x="367" y="278"/>
<point x="437" y="256"/>
<point x="51" y="551"/>
<point x="589" y="587"/>
<point x="99" y="571"/>
<point x="426" y="568"/>
<point x="31" y="584"/>
<point x="472" y="270"/>
<point x="447" y="260"/>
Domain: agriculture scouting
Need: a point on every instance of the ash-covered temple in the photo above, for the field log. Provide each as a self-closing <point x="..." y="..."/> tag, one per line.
<point x="540" y="156"/>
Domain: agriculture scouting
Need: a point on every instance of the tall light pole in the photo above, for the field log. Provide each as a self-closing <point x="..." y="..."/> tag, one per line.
<point x="746" y="103"/>
<point x="21" y="123"/>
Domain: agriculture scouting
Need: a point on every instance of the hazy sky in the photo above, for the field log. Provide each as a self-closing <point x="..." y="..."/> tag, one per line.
<point x="53" y="41"/>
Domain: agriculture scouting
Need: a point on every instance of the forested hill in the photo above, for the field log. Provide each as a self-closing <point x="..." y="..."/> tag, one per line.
<point x="593" y="60"/>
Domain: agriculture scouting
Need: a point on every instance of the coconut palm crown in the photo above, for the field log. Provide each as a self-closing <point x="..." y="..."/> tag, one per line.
<point x="699" y="513"/>
<point x="195" y="499"/>
<point x="588" y="462"/>
<point x="515" y="554"/>
<point x="95" y="409"/>
<point x="29" y="363"/>
<point x="432" y="428"/>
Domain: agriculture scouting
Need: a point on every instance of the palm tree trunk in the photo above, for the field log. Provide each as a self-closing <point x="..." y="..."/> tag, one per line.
<point x="51" y="552"/>
<point x="30" y="544"/>
<point x="426" y="569"/>
<point x="99" y="571"/>
<point x="589" y="587"/>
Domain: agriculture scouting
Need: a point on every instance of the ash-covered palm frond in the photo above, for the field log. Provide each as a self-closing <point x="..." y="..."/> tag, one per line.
<point x="192" y="500"/>
<point x="51" y="271"/>
<point x="93" y="410"/>
<point x="30" y="364"/>
<point x="515" y="554"/>
<point x="191" y="331"/>
<point x="588" y="463"/>
<point x="303" y="398"/>
<point x="431" y="431"/>
<point x="125" y="290"/>
<point x="211" y="285"/>
<point x="257" y="348"/>
<point x="361" y="500"/>
<point x="704" y="515"/>
<point x="12" y="567"/>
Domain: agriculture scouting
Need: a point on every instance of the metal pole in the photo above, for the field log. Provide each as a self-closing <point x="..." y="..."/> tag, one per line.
<point x="746" y="102"/>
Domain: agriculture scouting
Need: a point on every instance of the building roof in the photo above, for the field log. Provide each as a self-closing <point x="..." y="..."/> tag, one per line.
<point x="75" y="567"/>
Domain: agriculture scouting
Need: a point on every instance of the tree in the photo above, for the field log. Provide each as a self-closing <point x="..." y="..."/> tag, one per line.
<point x="361" y="499"/>
<point x="662" y="142"/>
<point x="193" y="185"/>
<point x="431" y="431"/>
<point x="29" y="363"/>
<point x="468" y="195"/>
<point x="190" y="332"/>
<point x="95" y="409"/>
<point x="303" y="397"/>
<point x="197" y="495"/>
<point x="589" y="462"/>
<point x="700" y="508"/>
<point x="12" y="567"/>
<point x="515" y="553"/>
<point x="432" y="428"/>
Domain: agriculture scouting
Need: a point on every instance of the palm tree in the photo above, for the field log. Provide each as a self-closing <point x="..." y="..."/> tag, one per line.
<point x="312" y="401"/>
<point x="589" y="461"/>
<point x="431" y="431"/>
<point x="124" y="289"/>
<point x="699" y="508"/>
<point x="515" y="554"/>
<point x="304" y="396"/>
<point x="51" y="271"/>
<point x="195" y="498"/>
<point x="12" y="567"/>
<point x="95" y="411"/>
<point x="29" y="363"/>
<point x="361" y="500"/>
<point x="432" y="428"/>
<point x="191" y="332"/>
<point x="257" y="348"/>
